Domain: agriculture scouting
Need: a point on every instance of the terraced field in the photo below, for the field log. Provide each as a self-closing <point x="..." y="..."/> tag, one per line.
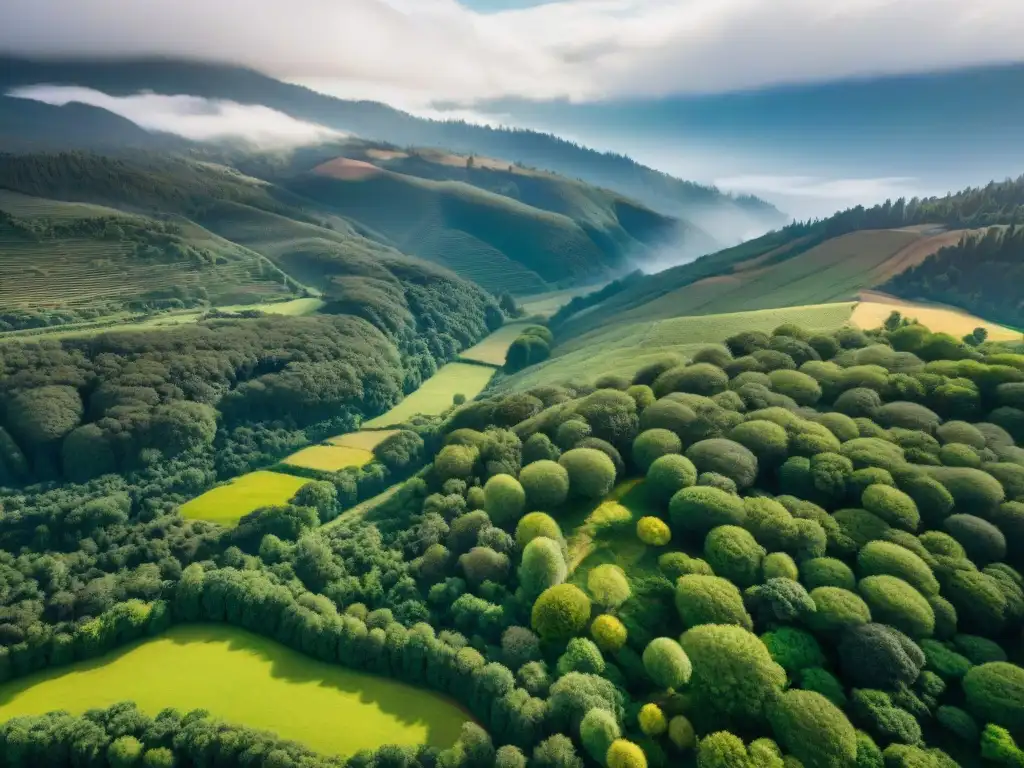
<point x="625" y="348"/>
<point x="246" y="679"/>
<point x="227" y="504"/>
<point x="28" y="207"/>
<point x="436" y="393"/>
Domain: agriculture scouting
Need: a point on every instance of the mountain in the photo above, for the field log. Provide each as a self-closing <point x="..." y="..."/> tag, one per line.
<point x="663" y="193"/>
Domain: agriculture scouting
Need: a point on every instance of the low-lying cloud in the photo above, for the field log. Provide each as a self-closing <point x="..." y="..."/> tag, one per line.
<point x="192" y="117"/>
<point x="423" y="51"/>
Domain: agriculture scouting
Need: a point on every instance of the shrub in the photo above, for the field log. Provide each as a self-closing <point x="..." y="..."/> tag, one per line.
<point x="538" y="447"/>
<point x="456" y="461"/>
<point x="653" y="444"/>
<point x="722" y="750"/>
<point x="653" y="532"/>
<point x="807" y="438"/>
<point x="642" y="395"/>
<point x="535" y="524"/>
<point x="944" y="661"/>
<point x="625" y="754"/>
<point x="608" y="632"/>
<point x="813" y="729"/>
<point x="837" y="609"/>
<point x="710" y="600"/>
<point x="983" y="542"/>
<point x="747" y="342"/>
<point x="715" y="480"/>
<point x="799" y="386"/>
<point x="533" y="677"/>
<point x="608" y="450"/>
<point x="959" y="723"/>
<point x="778" y="600"/>
<point x="676" y="564"/>
<point x="820" y="681"/>
<point x="648" y="373"/>
<point x="861" y="479"/>
<point x="883" y="557"/>
<point x="699" y="379"/>
<point x="733" y="674"/>
<point x="995" y="694"/>
<point x="652" y="720"/>
<point x="960" y="432"/>
<point x="666" y="663"/>
<point x="891" y="505"/>
<point x="591" y="472"/>
<point x="980" y="650"/>
<point x="598" y="730"/>
<point x="857" y="527"/>
<point x="505" y="500"/>
<point x="681" y="733"/>
<point x="830" y="475"/>
<point x="482" y="564"/>
<point x="959" y="455"/>
<point x="933" y="500"/>
<point x="668" y="414"/>
<point x="980" y="603"/>
<point x="879" y="656"/>
<point x="827" y="572"/>
<point x="545" y="484"/>
<point x="770" y="523"/>
<point x="793" y="649"/>
<point x="560" y="612"/>
<point x="581" y="655"/>
<point x="973" y="491"/>
<point x="543" y="566"/>
<point x="519" y="646"/>
<point x="858" y="401"/>
<point x="696" y="510"/>
<point x="765" y="439"/>
<point x="608" y="585"/>
<point x="774" y="360"/>
<point x="907" y="416"/>
<point x="555" y="751"/>
<point x="611" y="415"/>
<point x="945" y="616"/>
<point x="734" y="554"/>
<point x="1010" y="476"/>
<point x="779" y="565"/>
<point x="724" y="457"/>
<point x="668" y="475"/>
<point x="569" y="433"/>
<point x="873" y="452"/>
<point x="895" y="602"/>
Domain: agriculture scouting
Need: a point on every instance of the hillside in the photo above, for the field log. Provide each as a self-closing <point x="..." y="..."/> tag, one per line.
<point x="664" y="193"/>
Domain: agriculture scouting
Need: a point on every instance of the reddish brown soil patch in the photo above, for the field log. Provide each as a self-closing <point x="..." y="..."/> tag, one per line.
<point x="346" y="169"/>
<point x="915" y="253"/>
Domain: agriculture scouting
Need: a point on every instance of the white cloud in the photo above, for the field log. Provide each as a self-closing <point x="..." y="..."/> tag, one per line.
<point x="420" y="51"/>
<point x="193" y="117"/>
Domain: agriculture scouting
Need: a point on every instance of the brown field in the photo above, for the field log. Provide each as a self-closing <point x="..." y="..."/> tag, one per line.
<point x="365" y="440"/>
<point x="874" y="308"/>
<point x="917" y="252"/>
<point x="346" y="169"/>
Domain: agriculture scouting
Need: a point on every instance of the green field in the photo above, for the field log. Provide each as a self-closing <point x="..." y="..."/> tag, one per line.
<point x="329" y="458"/>
<point x="436" y="393"/>
<point x="492" y="350"/>
<point x="246" y="679"/>
<point x="367" y="440"/>
<point x="623" y="349"/>
<point x="548" y="303"/>
<point x="227" y="504"/>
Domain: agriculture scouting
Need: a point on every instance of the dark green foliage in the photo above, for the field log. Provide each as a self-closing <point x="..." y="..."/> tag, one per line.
<point x="873" y="452"/>
<point x="765" y="439"/>
<point x="882" y="557"/>
<point x="813" y="729"/>
<point x="891" y="505"/>
<point x="896" y="603"/>
<point x="827" y="572"/>
<point x="546" y="484"/>
<point x="959" y="455"/>
<point x="861" y="479"/>
<point x="944" y="661"/>
<point x="983" y="542"/>
<point x="856" y="528"/>
<point x="715" y="480"/>
<point x="980" y="650"/>
<point x="793" y="649"/>
<point x="581" y="655"/>
<point x="876" y="711"/>
<point x="519" y="646"/>
<point x="653" y="444"/>
<point x="878" y="656"/>
<point x="668" y="475"/>
<point x="830" y="475"/>
<point x="907" y="416"/>
<point x="933" y="500"/>
<point x="650" y="372"/>
<point x="570" y="432"/>
<point x="779" y="600"/>
<point x="591" y="472"/>
<point x="611" y="415"/>
<point x="698" y="509"/>
<point x="575" y="694"/>
<point x="504" y="500"/>
<point x="980" y="603"/>
<point x="836" y="609"/>
<point x="676" y="564"/>
<point x="542" y="566"/>
<point x="702" y="599"/>
<point x="700" y="379"/>
<point x="858" y="401"/>
<point x="799" y="386"/>
<point x="734" y="554"/>
<point x="1011" y="476"/>
<point x="747" y="342"/>
<point x="995" y="694"/>
<point x="823" y="682"/>
<point x="973" y="491"/>
<point x="724" y="457"/>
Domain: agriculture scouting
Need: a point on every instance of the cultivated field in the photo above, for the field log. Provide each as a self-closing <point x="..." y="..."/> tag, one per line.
<point x="875" y="307"/>
<point x="329" y="458"/>
<point x="366" y="440"/>
<point x="547" y="304"/>
<point x="226" y="504"/>
<point x="492" y="350"/>
<point x="245" y="679"/>
<point x="623" y="349"/>
<point x="436" y="393"/>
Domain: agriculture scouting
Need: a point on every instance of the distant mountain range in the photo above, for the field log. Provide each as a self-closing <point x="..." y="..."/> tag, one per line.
<point x="726" y="217"/>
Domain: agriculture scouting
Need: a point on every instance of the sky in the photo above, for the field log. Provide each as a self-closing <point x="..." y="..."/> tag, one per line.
<point x="494" y="61"/>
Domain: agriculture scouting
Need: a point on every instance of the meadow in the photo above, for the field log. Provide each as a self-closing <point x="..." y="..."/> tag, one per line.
<point x="227" y="504"/>
<point x="492" y="350"/>
<point x="875" y="307"/>
<point x="546" y="304"/>
<point x="329" y="458"/>
<point x="436" y="393"/>
<point x="365" y="440"/>
<point x="624" y="349"/>
<point x="244" y="678"/>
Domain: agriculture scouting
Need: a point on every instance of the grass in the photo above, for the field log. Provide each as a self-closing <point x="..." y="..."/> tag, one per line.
<point x="623" y="349"/>
<point x="435" y="394"/>
<point x="245" y="679"/>
<point x="492" y="350"/>
<point x="874" y="308"/>
<point x="366" y="440"/>
<point x="227" y="504"/>
<point x="329" y="458"/>
<point x="546" y="304"/>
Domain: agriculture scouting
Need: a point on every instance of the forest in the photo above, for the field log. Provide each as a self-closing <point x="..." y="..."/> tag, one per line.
<point x="812" y="560"/>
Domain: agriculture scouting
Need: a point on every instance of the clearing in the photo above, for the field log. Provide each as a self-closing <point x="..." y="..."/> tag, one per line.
<point x="492" y="350"/>
<point x="623" y="349"/>
<point x="246" y="679"/>
<point x="227" y="504"/>
<point x="435" y="394"/>
<point x="875" y="307"/>
<point x="329" y="458"/>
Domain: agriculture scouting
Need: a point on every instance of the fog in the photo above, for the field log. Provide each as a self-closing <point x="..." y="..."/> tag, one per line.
<point x="192" y="117"/>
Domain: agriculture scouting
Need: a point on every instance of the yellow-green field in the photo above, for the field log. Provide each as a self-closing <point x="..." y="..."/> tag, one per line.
<point x="227" y="504"/>
<point x="623" y="349"/>
<point x="875" y="307"/>
<point x="492" y="350"/>
<point x="329" y="458"/>
<point x="367" y="439"/>
<point x="436" y="393"/>
<point x="547" y="304"/>
<point x="245" y="679"/>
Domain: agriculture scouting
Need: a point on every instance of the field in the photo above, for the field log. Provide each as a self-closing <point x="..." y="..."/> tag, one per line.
<point x="875" y="307"/>
<point x="226" y="504"/>
<point x="492" y="350"/>
<point x="546" y="304"/>
<point x="623" y="349"/>
<point x="329" y="458"/>
<point x="245" y="679"/>
<point x="366" y="440"/>
<point x="436" y="393"/>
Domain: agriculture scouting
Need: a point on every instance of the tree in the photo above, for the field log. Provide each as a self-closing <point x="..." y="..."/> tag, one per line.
<point x="608" y="585"/>
<point x="667" y="663"/>
<point x="560" y="612"/>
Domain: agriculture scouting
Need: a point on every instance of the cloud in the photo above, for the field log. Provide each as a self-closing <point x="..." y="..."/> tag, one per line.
<point x="193" y="117"/>
<point x="421" y="51"/>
